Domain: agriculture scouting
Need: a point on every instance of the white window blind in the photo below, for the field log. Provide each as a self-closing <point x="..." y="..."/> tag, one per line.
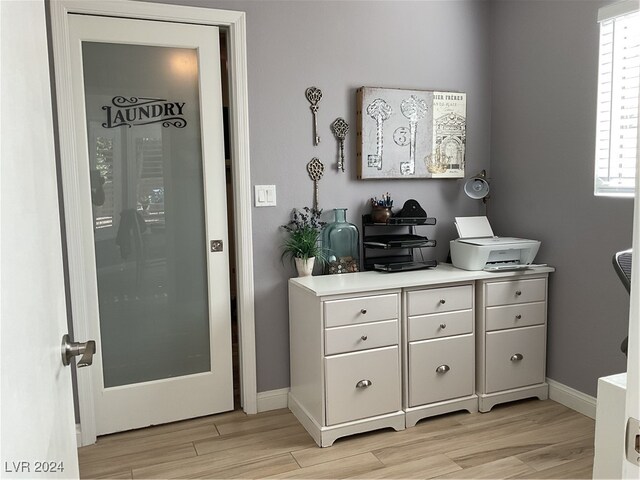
<point x="618" y="87"/>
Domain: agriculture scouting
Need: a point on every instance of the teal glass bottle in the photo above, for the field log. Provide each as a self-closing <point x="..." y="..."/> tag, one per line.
<point x="340" y="241"/>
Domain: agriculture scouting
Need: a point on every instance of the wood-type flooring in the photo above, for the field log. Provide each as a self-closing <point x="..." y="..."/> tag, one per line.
<point x="526" y="439"/>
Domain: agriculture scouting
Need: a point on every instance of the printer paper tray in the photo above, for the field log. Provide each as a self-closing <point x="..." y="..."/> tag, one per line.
<point x="505" y="267"/>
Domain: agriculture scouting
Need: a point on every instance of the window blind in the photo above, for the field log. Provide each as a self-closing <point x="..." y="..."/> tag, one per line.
<point x="617" y="103"/>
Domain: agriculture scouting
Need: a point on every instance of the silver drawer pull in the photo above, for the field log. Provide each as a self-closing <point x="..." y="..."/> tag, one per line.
<point x="516" y="357"/>
<point x="518" y="293"/>
<point x="442" y="369"/>
<point x="443" y="326"/>
<point x="442" y="301"/>
<point x="518" y="317"/>
<point x="363" y="311"/>
<point x="363" y="338"/>
<point x="364" y="384"/>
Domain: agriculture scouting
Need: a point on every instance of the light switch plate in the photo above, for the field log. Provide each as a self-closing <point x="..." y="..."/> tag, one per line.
<point x="265" y="195"/>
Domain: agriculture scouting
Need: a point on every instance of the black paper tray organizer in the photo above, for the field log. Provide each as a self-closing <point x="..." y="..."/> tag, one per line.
<point x="411" y="221"/>
<point x="394" y="245"/>
<point x="401" y="221"/>
<point x="398" y="241"/>
<point x="404" y="266"/>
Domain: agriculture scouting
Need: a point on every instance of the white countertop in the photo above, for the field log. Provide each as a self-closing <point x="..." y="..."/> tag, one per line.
<point x="368" y="281"/>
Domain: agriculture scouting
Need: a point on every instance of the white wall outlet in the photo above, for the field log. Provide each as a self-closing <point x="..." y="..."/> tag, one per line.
<point x="265" y="195"/>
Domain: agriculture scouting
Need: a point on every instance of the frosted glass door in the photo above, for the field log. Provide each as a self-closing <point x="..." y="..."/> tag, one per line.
<point x="155" y="164"/>
<point x="148" y="210"/>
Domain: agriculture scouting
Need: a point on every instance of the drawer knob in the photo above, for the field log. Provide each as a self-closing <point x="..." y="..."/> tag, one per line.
<point x="518" y="293"/>
<point x="517" y="357"/>
<point x="363" y="338"/>
<point x="364" y="384"/>
<point x="363" y="311"/>
<point x="518" y="317"/>
<point x="442" y="301"/>
<point x="442" y="369"/>
<point x="443" y="326"/>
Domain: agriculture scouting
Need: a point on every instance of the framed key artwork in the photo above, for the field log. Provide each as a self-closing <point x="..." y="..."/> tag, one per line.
<point x="410" y="133"/>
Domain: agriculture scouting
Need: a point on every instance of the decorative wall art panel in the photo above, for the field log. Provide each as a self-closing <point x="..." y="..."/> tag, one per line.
<point x="411" y="133"/>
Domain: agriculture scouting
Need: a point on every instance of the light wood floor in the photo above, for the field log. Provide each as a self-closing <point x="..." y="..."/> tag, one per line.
<point x="528" y="439"/>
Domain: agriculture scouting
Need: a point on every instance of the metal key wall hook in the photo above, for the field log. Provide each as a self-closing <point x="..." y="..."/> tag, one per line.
<point x="314" y="95"/>
<point x="315" y="169"/>
<point x="340" y="128"/>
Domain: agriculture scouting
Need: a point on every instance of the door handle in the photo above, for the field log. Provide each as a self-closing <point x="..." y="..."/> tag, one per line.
<point x="73" y="349"/>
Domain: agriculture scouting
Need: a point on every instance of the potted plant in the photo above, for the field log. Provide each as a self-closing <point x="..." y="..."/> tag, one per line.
<point x="302" y="243"/>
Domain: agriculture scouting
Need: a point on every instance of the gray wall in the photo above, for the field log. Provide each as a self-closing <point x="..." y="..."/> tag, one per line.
<point x="338" y="47"/>
<point x="529" y="69"/>
<point x="544" y="68"/>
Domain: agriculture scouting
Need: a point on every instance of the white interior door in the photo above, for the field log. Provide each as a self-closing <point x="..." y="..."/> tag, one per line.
<point x="38" y="428"/>
<point x="150" y="165"/>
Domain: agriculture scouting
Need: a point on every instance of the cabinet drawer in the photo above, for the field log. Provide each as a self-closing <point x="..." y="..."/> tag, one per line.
<point x="348" y="399"/>
<point x="360" y="337"/>
<point x="516" y="291"/>
<point x="511" y="316"/>
<point x="514" y="358"/>
<point x="439" y="300"/>
<point x="360" y="310"/>
<point x="439" y="325"/>
<point x="454" y="356"/>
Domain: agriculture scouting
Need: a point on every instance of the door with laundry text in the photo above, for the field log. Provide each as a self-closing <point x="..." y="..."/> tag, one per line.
<point x="149" y="94"/>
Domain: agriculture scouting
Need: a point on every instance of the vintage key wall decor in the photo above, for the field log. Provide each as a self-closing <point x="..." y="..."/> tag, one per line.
<point x="315" y="169"/>
<point x="415" y="109"/>
<point x="340" y="128"/>
<point x="314" y="95"/>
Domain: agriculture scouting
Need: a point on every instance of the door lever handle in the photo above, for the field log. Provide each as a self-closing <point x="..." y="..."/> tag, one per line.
<point x="73" y="349"/>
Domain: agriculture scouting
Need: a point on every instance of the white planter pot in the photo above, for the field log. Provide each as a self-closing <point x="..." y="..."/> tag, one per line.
<point x="305" y="267"/>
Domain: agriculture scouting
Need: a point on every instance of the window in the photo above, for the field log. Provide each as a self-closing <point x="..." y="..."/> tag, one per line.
<point x="618" y="86"/>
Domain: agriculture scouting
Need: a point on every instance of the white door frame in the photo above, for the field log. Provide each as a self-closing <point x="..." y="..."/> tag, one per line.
<point x="80" y="259"/>
<point x="632" y="407"/>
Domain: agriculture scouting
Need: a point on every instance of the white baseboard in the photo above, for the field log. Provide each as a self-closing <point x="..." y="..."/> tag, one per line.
<point x="572" y="398"/>
<point x="272" y="400"/>
<point x="558" y="392"/>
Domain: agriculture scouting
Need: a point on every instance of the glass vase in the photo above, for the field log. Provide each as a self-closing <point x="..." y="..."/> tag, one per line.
<point x="340" y="241"/>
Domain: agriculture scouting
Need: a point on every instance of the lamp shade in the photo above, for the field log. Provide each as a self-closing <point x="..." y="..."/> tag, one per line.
<point x="477" y="187"/>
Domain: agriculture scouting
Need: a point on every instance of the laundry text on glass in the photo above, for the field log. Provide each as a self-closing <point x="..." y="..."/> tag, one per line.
<point x="133" y="111"/>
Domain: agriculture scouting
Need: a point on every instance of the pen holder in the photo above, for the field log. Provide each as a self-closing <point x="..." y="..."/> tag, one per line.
<point x="380" y="214"/>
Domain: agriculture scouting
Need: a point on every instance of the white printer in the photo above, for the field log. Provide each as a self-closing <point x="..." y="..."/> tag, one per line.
<point x="478" y="249"/>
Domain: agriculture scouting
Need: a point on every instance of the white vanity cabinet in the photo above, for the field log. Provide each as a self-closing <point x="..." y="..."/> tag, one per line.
<point x="440" y="351"/>
<point x="511" y="331"/>
<point x="345" y="362"/>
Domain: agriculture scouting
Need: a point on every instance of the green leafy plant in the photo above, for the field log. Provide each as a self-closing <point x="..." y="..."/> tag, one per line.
<point x="303" y="235"/>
